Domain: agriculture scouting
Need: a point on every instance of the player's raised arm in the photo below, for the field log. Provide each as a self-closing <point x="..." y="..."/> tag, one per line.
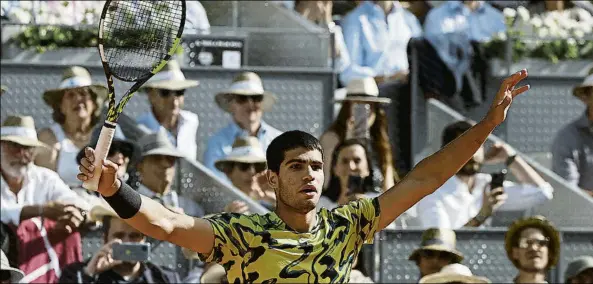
<point x="433" y="171"/>
<point x="146" y="215"/>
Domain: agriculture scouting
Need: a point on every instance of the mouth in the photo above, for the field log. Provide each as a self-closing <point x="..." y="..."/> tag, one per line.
<point x="308" y="190"/>
<point x="533" y="256"/>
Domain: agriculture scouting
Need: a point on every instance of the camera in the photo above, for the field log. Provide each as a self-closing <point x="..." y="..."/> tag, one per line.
<point x="498" y="179"/>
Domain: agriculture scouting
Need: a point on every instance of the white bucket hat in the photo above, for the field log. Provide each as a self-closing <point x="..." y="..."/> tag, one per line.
<point x="170" y="78"/>
<point x="20" y="130"/>
<point x="158" y="144"/>
<point x="455" y="272"/>
<point x="364" y="90"/>
<point x="245" y="84"/>
<point x="245" y="150"/>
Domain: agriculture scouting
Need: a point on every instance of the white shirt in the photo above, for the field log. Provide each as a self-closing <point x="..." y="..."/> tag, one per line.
<point x="453" y="205"/>
<point x="40" y="186"/>
<point x="66" y="165"/>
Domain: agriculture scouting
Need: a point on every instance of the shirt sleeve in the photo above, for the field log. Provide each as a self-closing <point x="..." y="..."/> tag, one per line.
<point x="353" y="37"/>
<point x="432" y="213"/>
<point x="11" y="213"/>
<point x="229" y="240"/>
<point x="364" y="215"/>
<point x="413" y="24"/>
<point x="563" y="160"/>
<point x="525" y="196"/>
<point x="61" y="192"/>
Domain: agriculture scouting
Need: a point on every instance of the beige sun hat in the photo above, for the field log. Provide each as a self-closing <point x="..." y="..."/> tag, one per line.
<point x="364" y="90"/>
<point x="438" y="239"/>
<point x="75" y="77"/>
<point x="158" y="143"/>
<point x="245" y="84"/>
<point x="20" y="130"/>
<point x="456" y="273"/>
<point x="170" y="78"/>
<point x="245" y="150"/>
<point x="578" y="91"/>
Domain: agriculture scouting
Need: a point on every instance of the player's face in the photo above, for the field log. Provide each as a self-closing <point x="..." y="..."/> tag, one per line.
<point x="77" y="103"/>
<point x="300" y="180"/>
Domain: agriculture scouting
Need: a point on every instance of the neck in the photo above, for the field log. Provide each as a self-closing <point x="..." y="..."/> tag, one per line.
<point x="128" y="270"/>
<point x="468" y="180"/>
<point x="300" y="222"/>
<point x="168" y="121"/>
<point x="14" y="183"/>
<point x="76" y="125"/>
<point x="250" y="127"/>
<point x="162" y="189"/>
<point x="530" y="277"/>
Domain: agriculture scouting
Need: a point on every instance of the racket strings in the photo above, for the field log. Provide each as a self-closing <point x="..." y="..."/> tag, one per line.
<point x="138" y="35"/>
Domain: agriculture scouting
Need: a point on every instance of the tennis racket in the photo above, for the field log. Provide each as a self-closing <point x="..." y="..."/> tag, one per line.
<point x="136" y="39"/>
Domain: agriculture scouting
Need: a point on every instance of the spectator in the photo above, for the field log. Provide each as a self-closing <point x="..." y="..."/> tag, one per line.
<point x="243" y="166"/>
<point x="156" y="169"/>
<point x="103" y="268"/>
<point x="245" y="101"/>
<point x="572" y="149"/>
<point x="28" y="190"/>
<point x="580" y="270"/>
<point x="320" y="13"/>
<point x="9" y="274"/>
<point x="76" y="105"/>
<point x="466" y="199"/>
<point x="350" y="159"/>
<point x="454" y="273"/>
<point x="196" y="20"/>
<point x="455" y="29"/>
<point x="122" y="152"/>
<point x="376" y="34"/>
<point x="363" y="91"/>
<point x="533" y="246"/>
<point x="436" y="251"/>
<point x="166" y="94"/>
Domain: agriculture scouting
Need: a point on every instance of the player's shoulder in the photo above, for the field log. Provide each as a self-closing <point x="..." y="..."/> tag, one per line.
<point x="252" y="221"/>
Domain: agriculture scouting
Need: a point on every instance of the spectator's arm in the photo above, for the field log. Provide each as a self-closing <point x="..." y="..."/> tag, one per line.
<point x="62" y="193"/>
<point x="353" y="37"/>
<point x="15" y="213"/>
<point x="525" y="196"/>
<point x="525" y="173"/>
<point x="563" y="160"/>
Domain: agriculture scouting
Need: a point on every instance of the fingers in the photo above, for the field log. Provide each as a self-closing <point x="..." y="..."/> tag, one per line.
<point x="89" y="153"/>
<point x="514" y="79"/>
<point x="520" y="90"/>
<point x="109" y="167"/>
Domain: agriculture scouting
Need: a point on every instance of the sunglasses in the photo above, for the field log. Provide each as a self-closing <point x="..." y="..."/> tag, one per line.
<point x="4" y="275"/>
<point x="525" y="243"/>
<point x="435" y="254"/>
<point x="167" y="93"/>
<point x="246" y="166"/>
<point x="244" y="99"/>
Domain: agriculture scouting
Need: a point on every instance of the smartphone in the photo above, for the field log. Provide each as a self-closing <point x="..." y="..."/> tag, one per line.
<point x="355" y="184"/>
<point x="498" y="179"/>
<point x="131" y="252"/>
<point x="361" y="113"/>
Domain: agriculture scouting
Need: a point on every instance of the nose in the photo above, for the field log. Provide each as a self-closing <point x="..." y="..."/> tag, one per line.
<point x="353" y="166"/>
<point x="309" y="175"/>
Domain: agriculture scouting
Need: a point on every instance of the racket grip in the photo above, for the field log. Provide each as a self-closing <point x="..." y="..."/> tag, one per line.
<point x="101" y="151"/>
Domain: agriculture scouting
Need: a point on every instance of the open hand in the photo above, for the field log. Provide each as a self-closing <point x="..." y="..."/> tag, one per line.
<point x="507" y="92"/>
<point x="108" y="183"/>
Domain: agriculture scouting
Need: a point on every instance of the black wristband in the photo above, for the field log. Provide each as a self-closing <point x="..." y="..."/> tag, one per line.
<point x="125" y="202"/>
<point x="510" y="160"/>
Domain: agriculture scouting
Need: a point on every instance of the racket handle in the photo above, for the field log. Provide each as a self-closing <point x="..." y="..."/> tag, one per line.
<point x="101" y="150"/>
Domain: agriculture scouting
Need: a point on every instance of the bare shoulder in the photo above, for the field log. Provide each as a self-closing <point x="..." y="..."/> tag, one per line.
<point x="47" y="136"/>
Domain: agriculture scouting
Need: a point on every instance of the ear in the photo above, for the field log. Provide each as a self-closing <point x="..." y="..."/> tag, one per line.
<point x="273" y="179"/>
<point x="515" y="253"/>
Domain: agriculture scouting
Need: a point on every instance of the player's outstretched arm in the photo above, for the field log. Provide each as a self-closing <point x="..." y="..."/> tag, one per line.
<point x="146" y="215"/>
<point x="436" y="169"/>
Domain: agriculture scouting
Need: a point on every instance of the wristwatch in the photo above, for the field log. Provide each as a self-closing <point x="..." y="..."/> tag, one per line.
<point x="481" y="218"/>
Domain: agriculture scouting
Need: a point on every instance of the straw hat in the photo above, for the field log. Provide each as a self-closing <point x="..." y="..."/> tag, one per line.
<point x="75" y="77"/>
<point x="577" y="266"/>
<point x="158" y="144"/>
<point x="456" y="273"/>
<point x="539" y="222"/>
<point x="20" y="130"/>
<point x="578" y="91"/>
<point x="15" y="274"/>
<point x="245" y="84"/>
<point x="364" y="90"/>
<point x="245" y="150"/>
<point x="438" y="239"/>
<point x="170" y="78"/>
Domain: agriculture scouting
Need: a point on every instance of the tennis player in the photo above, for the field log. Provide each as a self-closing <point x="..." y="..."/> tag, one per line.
<point x="295" y="243"/>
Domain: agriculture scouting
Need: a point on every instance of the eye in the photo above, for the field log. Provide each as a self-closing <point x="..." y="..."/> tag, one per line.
<point x="316" y="167"/>
<point x="296" y="166"/>
<point x="357" y="160"/>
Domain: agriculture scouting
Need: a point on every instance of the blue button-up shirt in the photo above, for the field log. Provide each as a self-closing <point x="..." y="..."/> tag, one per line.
<point x="221" y="143"/>
<point x="452" y="26"/>
<point x="376" y="43"/>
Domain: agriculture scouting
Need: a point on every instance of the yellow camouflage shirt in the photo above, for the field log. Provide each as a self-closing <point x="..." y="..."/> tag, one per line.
<point x="263" y="249"/>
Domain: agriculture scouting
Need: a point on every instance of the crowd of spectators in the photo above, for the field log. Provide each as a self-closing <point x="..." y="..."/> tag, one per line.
<point x="46" y="210"/>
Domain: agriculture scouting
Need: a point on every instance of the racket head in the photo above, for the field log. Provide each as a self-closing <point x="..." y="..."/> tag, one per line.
<point x="136" y="39"/>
